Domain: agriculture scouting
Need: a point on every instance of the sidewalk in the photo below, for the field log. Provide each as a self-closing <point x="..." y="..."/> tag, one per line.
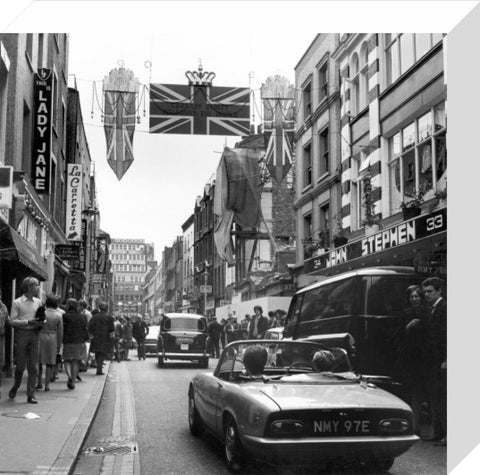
<point x="48" y="444"/>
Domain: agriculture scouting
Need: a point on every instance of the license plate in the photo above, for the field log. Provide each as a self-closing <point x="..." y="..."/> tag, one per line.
<point x="184" y="347"/>
<point x="342" y="427"/>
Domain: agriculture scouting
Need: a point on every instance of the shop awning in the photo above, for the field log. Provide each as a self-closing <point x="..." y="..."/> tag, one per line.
<point x="14" y="248"/>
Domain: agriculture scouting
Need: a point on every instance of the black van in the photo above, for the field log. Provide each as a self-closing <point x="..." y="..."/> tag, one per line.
<point x="366" y="303"/>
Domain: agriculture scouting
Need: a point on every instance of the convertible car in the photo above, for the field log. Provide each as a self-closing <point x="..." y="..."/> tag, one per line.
<point x="303" y="406"/>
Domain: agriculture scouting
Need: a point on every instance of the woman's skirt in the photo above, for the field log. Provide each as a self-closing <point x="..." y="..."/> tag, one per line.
<point x="74" y="351"/>
<point x="48" y="348"/>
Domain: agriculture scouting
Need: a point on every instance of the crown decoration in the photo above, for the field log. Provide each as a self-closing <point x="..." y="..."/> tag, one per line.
<point x="200" y="77"/>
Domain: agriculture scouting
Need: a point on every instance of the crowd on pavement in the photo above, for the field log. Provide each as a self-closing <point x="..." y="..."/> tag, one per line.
<point x="52" y="337"/>
<point x="251" y="327"/>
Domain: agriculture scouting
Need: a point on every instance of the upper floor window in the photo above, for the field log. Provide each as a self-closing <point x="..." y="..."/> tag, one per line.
<point x="418" y="158"/>
<point x="307" y="165"/>
<point x="307" y="100"/>
<point x="29" y="46"/>
<point x="363" y="78"/>
<point x="324" y="151"/>
<point x="323" y="81"/>
<point x="354" y="85"/>
<point x="402" y="50"/>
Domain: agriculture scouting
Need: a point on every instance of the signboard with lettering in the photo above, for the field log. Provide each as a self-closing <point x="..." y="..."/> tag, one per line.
<point x="6" y="191"/>
<point x="68" y="252"/>
<point x="42" y="131"/>
<point x="394" y="236"/>
<point x="73" y="225"/>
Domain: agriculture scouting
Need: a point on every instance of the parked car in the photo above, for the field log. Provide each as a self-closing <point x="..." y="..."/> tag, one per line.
<point x="275" y="333"/>
<point x="367" y="303"/>
<point x="296" y="412"/>
<point x="151" y="340"/>
<point x="183" y="336"/>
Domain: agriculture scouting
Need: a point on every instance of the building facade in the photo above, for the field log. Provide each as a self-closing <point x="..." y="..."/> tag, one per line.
<point x="129" y="265"/>
<point x="393" y="154"/>
<point x="188" y="264"/>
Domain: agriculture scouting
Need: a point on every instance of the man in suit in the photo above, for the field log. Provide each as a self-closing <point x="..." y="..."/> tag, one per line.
<point x="433" y="289"/>
<point x="258" y="325"/>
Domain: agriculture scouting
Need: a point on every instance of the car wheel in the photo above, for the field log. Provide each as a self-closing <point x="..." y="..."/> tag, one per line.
<point x="381" y="465"/>
<point x="233" y="446"/>
<point x="160" y="361"/>
<point x="194" y="420"/>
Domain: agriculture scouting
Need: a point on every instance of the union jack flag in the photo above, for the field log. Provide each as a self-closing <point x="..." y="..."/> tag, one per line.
<point x="199" y="109"/>
<point x="279" y="131"/>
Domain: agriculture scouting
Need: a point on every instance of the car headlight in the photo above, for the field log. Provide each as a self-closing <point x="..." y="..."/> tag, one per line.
<point x="287" y="426"/>
<point x="394" y="426"/>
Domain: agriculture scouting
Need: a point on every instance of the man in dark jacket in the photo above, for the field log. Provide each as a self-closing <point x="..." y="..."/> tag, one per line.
<point x="140" y="332"/>
<point x="437" y="333"/>
<point x="101" y="327"/>
<point x="214" y="331"/>
<point x="258" y="325"/>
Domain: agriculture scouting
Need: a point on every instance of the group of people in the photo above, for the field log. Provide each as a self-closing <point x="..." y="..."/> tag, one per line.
<point x="250" y="328"/>
<point x="423" y="355"/>
<point x="52" y="336"/>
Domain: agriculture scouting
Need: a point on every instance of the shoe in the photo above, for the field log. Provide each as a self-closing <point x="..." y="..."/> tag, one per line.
<point x="100" y="373"/>
<point x="12" y="393"/>
<point x="32" y="400"/>
<point x="47" y="388"/>
<point x="70" y="384"/>
<point x="441" y="443"/>
<point x="79" y="378"/>
<point x="39" y="386"/>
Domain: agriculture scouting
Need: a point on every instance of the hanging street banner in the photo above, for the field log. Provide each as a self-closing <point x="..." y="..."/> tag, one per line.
<point x="199" y="108"/>
<point x="278" y="98"/>
<point x="120" y="90"/>
<point x="42" y="131"/>
<point x="73" y="224"/>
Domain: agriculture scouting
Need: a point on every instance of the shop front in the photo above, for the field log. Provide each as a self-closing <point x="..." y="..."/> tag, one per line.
<point x="420" y="242"/>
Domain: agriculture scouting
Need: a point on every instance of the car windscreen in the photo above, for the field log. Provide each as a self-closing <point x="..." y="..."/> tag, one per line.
<point x="280" y="356"/>
<point x="184" y="324"/>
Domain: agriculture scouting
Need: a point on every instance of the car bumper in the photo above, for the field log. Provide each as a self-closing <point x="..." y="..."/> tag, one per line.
<point x="151" y="350"/>
<point x="183" y="356"/>
<point x="314" y="450"/>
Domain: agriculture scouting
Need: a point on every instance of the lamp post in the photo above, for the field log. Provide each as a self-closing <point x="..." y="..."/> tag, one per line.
<point x="91" y="214"/>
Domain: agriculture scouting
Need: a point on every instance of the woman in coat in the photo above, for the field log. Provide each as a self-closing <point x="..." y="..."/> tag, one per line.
<point x="75" y="335"/>
<point x="51" y="337"/>
<point x="101" y="328"/>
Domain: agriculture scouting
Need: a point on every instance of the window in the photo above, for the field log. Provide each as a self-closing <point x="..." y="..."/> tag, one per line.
<point x="418" y="158"/>
<point x="324" y="151"/>
<point x="55" y="96"/>
<point x="41" y="37"/>
<point x="323" y="81"/>
<point x="402" y="50"/>
<point x="29" y="47"/>
<point x="307" y="233"/>
<point x="307" y="165"/>
<point x="307" y="101"/>
<point x="363" y="78"/>
<point x="354" y="85"/>
<point x="324" y="228"/>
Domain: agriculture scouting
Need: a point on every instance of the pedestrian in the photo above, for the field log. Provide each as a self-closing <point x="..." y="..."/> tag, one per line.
<point x="26" y="328"/>
<point x="214" y="331"/>
<point x="413" y="351"/>
<point x="51" y="337"/>
<point x="258" y="325"/>
<point x="433" y="288"/>
<point x="281" y="316"/>
<point x="231" y="329"/>
<point x="118" y="338"/>
<point x="244" y="324"/>
<point x="140" y="332"/>
<point x="127" y="337"/>
<point x="223" y="323"/>
<point x="102" y="329"/>
<point x="3" y="321"/>
<point x="84" y="310"/>
<point x="75" y="334"/>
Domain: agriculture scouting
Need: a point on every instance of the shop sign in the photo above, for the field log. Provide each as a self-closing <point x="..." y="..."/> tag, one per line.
<point x="73" y="226"/>
<point x="395" y="236"/>
<point x="68" y="252"/>
<point x="42" y="131"/>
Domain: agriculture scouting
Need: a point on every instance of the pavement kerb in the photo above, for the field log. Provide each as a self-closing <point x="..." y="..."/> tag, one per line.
<point x="70" y="451"/>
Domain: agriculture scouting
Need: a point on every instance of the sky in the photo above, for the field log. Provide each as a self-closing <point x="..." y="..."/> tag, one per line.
<point x="242" y="42"/>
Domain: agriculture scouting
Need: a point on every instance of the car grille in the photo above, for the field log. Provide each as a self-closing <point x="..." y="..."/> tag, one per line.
<point x="338" y="422"/>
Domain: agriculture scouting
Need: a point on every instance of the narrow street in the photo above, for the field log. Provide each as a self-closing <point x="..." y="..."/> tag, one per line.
<point x="143" y="419"/>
